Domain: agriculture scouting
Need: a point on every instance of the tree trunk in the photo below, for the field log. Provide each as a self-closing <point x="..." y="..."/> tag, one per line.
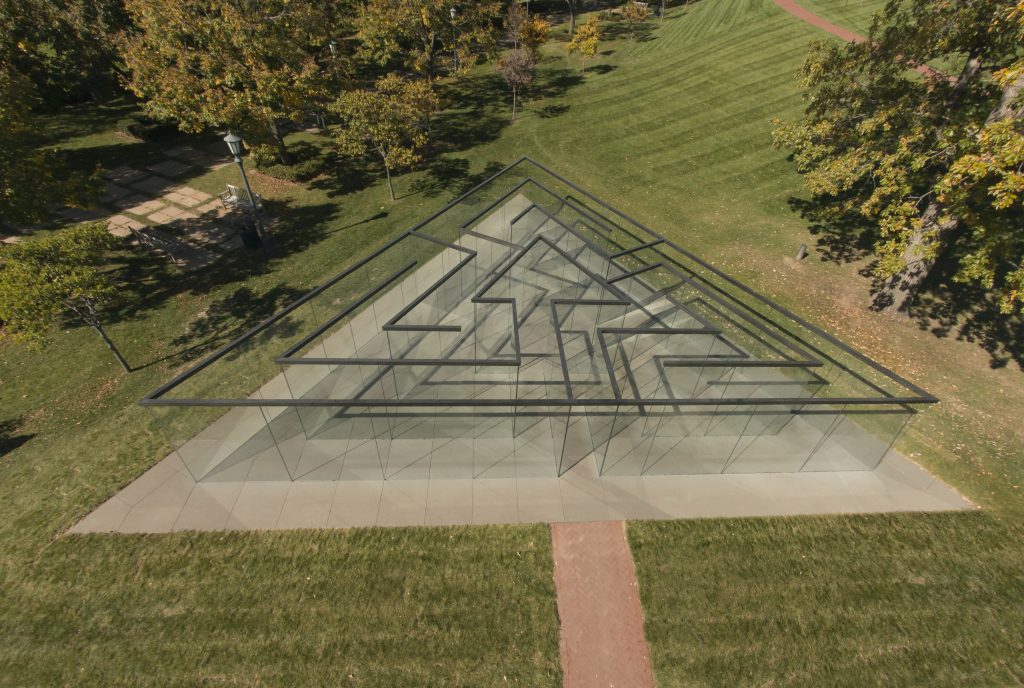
<point x="901" y="289"/>
<point x="513" y="104"/>
<point x="431" y="57"/>
<point x="1006" y="109"/>
<point x="110" y="344"/>
<point x="391" y="187"/>
<point x="85" y="310"/>
<point x="282" y="150"/>
<point x="572" y="16"/>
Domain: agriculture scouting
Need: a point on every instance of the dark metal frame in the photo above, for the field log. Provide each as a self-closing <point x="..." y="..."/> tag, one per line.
<point x="728" y="306"/>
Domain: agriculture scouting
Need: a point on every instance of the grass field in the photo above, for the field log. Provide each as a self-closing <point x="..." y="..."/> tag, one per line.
<point x="675" y="131"/>
<point x="902" y="600"/>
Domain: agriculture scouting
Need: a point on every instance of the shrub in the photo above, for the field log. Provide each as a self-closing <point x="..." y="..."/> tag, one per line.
<point x="264" y="156"/>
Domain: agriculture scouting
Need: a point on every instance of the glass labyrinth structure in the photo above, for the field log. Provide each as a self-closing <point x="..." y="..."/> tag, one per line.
<point x="526" y="327"/>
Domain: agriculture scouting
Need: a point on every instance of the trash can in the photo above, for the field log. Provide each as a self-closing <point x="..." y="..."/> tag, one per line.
<point x="250" y="235"/>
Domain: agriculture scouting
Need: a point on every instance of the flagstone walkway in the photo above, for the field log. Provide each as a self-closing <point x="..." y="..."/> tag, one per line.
<point x="192" y="227"/>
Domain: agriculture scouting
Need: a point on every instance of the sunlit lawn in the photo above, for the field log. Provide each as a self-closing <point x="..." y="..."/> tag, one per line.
<point x="673" y="130"/>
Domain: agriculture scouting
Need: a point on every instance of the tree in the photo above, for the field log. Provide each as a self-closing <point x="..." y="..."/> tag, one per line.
<point x="417" y="32"/>
<point x="32" y="179"/>
<point x="234" y="63"/>
<point x="584" y="41"/>
<point x="389" y="121"/>
<point x="573" y="6"/>
<point x="534" y="33"/>
<point x="882" y="141"/>
<point x="514" y="22"/>
<point x="635" y="13"/>
<point x="65" y="47"/>
<point x="63" y="274"/>
<point x="517" y="68"/>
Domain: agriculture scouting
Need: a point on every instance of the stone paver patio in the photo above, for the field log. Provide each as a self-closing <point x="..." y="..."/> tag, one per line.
<point x="178" y="220"/>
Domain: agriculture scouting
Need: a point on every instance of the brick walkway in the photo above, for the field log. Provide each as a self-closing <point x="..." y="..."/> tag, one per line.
<point x="602" y="627"/>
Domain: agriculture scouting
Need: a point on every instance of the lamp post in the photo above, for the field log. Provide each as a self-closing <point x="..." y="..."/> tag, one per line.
<point x="455" y="54"/>
<point x="235" y="146"/>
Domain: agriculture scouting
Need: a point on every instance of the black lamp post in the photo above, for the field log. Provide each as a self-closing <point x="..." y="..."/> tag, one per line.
<point x="235" y="146"/>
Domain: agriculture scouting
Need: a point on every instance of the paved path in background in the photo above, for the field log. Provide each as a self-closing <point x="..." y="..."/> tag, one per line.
<point x="602" y="627"/>
<point x="806" y="15"/>
<point x="813" y="19"/>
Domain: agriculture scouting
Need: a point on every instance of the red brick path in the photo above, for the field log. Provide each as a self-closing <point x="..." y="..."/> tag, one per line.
<point x="813" y="19"/>
<point x="602" y="636"/>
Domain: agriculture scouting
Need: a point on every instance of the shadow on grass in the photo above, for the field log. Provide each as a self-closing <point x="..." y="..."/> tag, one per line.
<point x="616" y="30"/>
<point x="842" y="237"/>
<point x="148" y="280"/>
<point x="552" y="111"/>
<point x="10" y="438"/>
<point x="349" y="176"/>
<point x="945" y="308"/>
<point x="232" y="315"/>
<point x="452" y="175"/>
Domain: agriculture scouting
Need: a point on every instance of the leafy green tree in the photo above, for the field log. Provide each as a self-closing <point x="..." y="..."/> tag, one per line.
<point x="534" y="33"/>
<point x="32" y="178"/>
<point x="928" y="159"/>
<point x="635" y="13"/>
<point x="585" y="41"/>
<point x="67" y="48"/>
<point x="235" y="63"/>
<point x="419" y="32"/>
<point x="63" y="274"/>
<point x="517" y="68"/>
<point x="389" y="121"/>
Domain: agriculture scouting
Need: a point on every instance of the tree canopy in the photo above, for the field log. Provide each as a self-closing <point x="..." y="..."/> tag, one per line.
<point x="65" y="47"/>
<point x="389" y="121"/>
<point x="635" y="13"/>
<point x="518" y="68"/>
<point x="234" y="63"/>
<point x="534" y="33"/>
<point x="931" y="161"/>
<point x="585" y="40"/>
<point x="32" y="178"/>
<point x="63" y="274"/>
<point x="419" y="32"/>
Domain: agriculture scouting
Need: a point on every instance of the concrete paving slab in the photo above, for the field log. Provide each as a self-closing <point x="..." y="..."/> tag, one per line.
<point x="130" y="201"/>
<point x="145" y="207"/>
<point x="153" y="184"/>
<point x="166" y="498"/>
<point x="169" y="168"/>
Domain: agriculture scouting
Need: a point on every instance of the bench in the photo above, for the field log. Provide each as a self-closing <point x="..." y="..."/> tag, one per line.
<point x="237" y="197"/>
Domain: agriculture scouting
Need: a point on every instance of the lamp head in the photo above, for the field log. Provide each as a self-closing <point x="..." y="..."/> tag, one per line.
<point x="234" y="144"/>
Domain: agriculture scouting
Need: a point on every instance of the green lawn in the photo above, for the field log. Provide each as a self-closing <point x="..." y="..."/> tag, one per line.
<point x="675" y="131"/>
<point x="903" y="600"/>
<point x="375" y="607"/>
<point x="853" y="14"/>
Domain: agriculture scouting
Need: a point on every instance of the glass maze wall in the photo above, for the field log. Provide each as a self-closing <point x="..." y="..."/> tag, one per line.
<point x="521" y="330"/>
